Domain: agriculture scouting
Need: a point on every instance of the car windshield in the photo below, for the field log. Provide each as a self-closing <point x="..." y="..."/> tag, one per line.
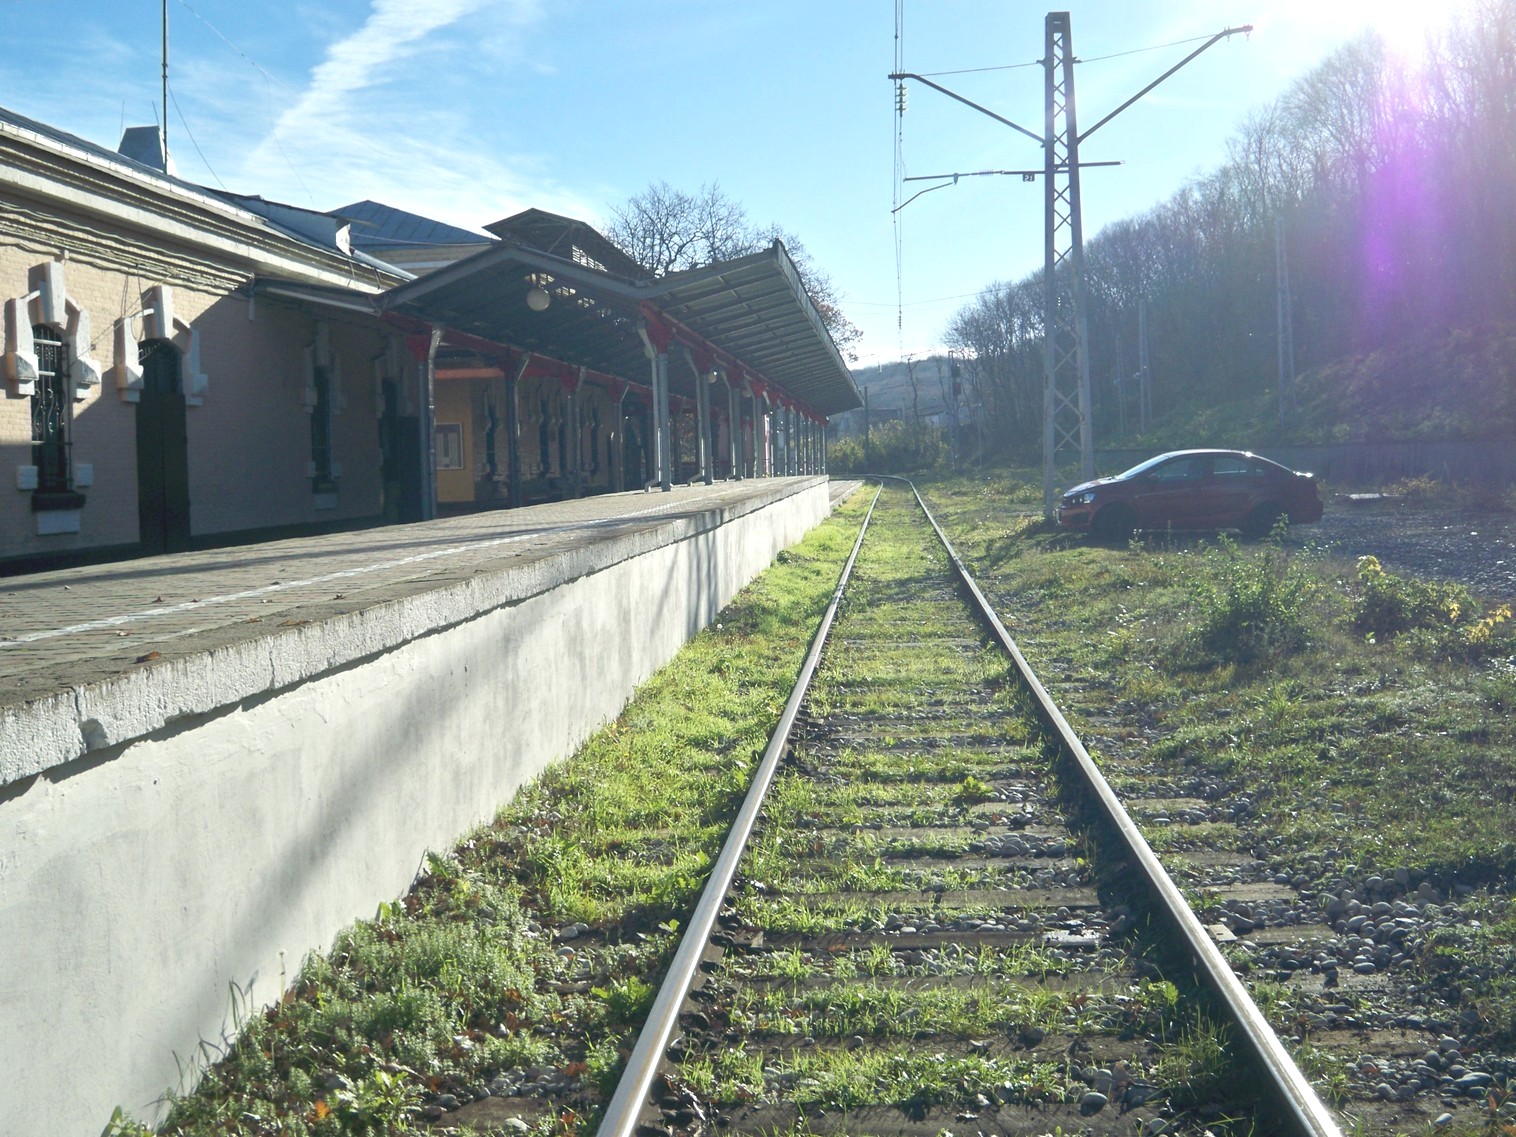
<point x="1142" y="467"/>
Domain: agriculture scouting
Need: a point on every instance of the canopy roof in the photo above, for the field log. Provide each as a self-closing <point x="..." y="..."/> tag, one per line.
<point x="749" y="315"/>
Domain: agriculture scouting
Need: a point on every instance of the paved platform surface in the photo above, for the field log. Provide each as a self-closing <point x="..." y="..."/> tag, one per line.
<point x="71" y="627"/>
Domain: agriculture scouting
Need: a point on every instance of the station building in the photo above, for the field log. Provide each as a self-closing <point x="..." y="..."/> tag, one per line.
<point x="184" y="367"/>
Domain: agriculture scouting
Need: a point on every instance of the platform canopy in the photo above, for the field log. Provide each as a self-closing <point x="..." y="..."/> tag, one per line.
<point x="555" y="287"/>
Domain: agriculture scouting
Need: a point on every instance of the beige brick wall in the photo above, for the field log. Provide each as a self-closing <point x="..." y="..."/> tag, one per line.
<point x="248" y="443"/>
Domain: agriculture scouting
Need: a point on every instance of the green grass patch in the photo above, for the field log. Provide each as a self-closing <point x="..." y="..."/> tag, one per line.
<point x="1363" y="716"/>
<point x="464" y="978"/>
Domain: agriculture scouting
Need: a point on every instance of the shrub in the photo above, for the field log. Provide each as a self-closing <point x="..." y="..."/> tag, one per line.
<point x="1387" y="605"/>
<point x="1251" y="602"/>
<point x="894" y="448"/>
<point x="1438" y="617"/>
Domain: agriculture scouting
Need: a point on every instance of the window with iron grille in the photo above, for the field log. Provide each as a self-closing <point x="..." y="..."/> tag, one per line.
<point x="50" y="412"/>
<point x="321" y="433"/>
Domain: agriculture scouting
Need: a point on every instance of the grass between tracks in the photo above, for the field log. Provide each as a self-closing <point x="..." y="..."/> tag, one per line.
<point x="468" y="978"/>
<point x="1364" y="716"/>
<point x="925" y="729"/>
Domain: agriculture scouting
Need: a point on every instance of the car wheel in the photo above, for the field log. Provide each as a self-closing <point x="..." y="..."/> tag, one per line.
<point x="1260" y="523"/>
<point x="1114" y="523"/>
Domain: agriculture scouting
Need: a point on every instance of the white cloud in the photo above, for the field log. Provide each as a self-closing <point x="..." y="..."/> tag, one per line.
<point x="372" y="57"/>
<point x="376" y="120"/>
<point x="389" y="34"/>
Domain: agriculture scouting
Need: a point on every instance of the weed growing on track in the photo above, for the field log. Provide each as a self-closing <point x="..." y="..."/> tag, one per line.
<point x="926" y="748"/>
<point x="1369" y="731"/>
<point x="464" y="979"/>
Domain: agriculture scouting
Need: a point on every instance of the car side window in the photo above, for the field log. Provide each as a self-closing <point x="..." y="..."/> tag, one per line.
<point x="1192" y="469"/>
<point x="1235" y="469"/>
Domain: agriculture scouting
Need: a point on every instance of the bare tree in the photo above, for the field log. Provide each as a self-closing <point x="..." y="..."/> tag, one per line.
<point x="667" y="230"/>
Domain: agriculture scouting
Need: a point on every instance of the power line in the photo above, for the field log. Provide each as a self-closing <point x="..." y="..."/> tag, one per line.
<point x="1038" y="62"/>
<point x="912" y="303"/>
<point x="978" y="70"/>
<point x="221" y="36"/>
<point x="268" y="78"/>
<point x="1140" y="50"/>
<point x="173" y="98"/>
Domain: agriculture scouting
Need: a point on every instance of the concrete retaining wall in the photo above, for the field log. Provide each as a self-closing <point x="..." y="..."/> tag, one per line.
<point x="149" y="886"/>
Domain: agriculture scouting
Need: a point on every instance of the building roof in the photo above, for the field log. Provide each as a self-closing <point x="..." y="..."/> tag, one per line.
<point x="751" y="312"/>
<point x="378" y="228"/>
<point x="756" y="308"/>
<point x="285" y="224"/>
<point x="569" y="238"/>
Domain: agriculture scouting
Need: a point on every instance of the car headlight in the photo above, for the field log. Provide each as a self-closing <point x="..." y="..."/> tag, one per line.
<point x="1079" y="498"/>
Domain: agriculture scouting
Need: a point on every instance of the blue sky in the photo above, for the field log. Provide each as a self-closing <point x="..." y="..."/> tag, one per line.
<point x="469" y="110"/>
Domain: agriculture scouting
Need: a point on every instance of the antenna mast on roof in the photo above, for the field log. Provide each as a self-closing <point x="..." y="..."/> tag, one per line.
<point x="163" y="128"/>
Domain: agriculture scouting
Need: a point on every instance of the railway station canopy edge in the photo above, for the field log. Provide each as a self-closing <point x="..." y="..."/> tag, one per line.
<point x="750" y="313"/>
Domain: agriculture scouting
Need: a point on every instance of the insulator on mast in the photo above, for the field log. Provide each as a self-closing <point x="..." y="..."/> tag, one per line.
<point x="900" y="98"/>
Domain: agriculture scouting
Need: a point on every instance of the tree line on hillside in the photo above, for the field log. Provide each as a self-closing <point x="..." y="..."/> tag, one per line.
<point x="1394" y="181"/>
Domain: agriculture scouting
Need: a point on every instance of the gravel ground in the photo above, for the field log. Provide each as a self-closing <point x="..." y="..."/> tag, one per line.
<point x="1474" y="548"/>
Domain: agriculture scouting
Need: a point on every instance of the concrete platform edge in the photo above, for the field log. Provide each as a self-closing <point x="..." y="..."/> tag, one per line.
<point x="170" y="885"/>
<point x="59" y="728"/>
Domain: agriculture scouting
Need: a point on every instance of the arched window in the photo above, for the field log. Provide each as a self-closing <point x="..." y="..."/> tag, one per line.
<point x="160" y="362"/>
<point x="51" y="407"/>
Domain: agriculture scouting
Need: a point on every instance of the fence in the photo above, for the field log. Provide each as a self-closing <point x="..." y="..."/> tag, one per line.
<point x="1373" y="464"/>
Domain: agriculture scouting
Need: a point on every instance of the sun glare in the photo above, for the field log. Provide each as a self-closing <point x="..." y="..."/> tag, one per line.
<point x="1404" y="25"/>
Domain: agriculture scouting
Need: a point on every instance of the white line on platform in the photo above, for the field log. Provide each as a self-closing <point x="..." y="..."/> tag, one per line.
<point x="282" y="586"/>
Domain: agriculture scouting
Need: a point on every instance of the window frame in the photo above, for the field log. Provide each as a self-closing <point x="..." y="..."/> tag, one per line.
<point x="52" y="422"/>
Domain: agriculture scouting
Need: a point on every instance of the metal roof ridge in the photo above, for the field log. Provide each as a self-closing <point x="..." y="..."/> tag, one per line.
<point x="62" y="145"/>
<point x="507" y="249"/>
<point x="779" y="256"/>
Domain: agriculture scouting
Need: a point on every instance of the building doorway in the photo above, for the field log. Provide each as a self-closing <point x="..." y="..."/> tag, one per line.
<point x="163" y="509"/>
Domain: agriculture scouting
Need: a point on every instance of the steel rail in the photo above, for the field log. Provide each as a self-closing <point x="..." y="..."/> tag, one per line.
<point x="625" y="1107"/>
<point x="1288" y="1089"/>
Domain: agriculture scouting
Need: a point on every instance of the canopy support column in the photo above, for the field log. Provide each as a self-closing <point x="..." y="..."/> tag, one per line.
<point x="514" y="495"/>
<point x="705" y="450"/>
<point x="756" y="470"/>
<point x="733" y="430"/>
<point x="618" y="448"/>
<point x="768" y="439"/>
<point x="655" y="344"/>
<point x="576" y="434"/>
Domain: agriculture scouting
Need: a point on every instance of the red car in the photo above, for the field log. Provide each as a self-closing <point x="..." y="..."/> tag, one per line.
<point x="1193" y="489"/>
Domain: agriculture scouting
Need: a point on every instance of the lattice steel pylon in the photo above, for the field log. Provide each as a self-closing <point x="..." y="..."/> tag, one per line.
<point x="1066" y="344"/>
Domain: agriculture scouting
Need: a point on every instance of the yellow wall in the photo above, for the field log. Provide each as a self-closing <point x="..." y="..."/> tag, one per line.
<point x="455" y="404"/>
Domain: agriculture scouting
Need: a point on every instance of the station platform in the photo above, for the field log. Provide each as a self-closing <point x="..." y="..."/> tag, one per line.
<point x="67" y="633"/>
<point x="212" y="762"/>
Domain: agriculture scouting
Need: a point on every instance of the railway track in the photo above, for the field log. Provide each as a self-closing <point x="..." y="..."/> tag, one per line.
<point x="932" y="915"/>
